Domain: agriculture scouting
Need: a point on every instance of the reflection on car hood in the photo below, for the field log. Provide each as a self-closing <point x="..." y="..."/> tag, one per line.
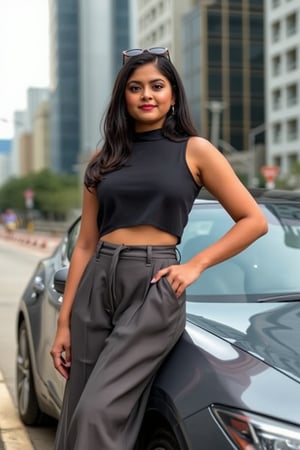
<point x="271" y="332"/>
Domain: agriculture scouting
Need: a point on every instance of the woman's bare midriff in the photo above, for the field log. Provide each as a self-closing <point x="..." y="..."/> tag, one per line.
<point x="140" y="235"/>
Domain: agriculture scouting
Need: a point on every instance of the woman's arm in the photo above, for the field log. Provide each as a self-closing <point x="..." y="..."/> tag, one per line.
<point x="217" y="175"/>
<point x="212" y="170"/>
<point x="84" y="249"/>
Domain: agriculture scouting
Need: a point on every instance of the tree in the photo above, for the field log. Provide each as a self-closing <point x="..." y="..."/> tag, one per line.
<point x="55" y="195"/>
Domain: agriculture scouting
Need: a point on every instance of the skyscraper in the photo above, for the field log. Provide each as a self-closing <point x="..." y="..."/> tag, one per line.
<point x="64" y="85"/>
<point x="86" y="42"/>
<point x="224" y="68"/>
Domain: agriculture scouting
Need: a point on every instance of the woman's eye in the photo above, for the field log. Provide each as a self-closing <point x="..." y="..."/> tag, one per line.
<point x="134" y="88"/>
<point x="158" y="87"/>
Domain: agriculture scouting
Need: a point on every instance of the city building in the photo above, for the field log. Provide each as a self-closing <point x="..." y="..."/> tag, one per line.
<point x="30" y="146"/>
<point x="20" y="123"/>
<point x="104" y="33"/>
<point x="121" y="34"/>
<point x="159" y="23"/>
<point x="40" y="138"/>
<point x="86" y="40"/>
<point x="223" y="63"/>
<point x="5" y="154"/>
<point x="35" y="97"/>
<point x="282" y="26"/>
<point x="26" y="153"/>
<point x="64" y="84"/>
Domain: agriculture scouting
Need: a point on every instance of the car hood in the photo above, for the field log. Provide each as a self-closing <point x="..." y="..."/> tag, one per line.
<point x="271" y="332"/>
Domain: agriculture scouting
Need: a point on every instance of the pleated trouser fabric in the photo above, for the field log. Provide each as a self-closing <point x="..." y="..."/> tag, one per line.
<point x="122" y="328"/>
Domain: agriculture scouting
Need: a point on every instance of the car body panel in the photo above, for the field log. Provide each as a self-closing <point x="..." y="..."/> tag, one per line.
<point x="270" y="332"/>
<point x="203" y="428"/>
<point x="40" y="312"/>
<point x="204" y="369"/>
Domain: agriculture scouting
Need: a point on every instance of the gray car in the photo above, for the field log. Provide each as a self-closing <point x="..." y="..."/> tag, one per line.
<point x="233" y="379"/>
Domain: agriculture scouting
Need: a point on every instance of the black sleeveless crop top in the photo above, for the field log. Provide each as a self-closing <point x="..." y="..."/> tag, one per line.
<point x="154" y="187"/>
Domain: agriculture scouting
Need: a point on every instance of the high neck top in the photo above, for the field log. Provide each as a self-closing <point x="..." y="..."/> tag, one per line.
<point x="154" y="187"/>
<point x="152" y="135"/>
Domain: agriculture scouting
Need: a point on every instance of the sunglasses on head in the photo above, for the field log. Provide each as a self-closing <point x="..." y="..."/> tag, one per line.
<point x="158" y="51"/>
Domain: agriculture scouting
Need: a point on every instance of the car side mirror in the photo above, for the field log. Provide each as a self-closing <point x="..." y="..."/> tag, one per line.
<point x="60" y="277"/>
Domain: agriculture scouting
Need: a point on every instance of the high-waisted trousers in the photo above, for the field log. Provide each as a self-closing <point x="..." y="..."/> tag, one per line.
<point x="122" y="328"/>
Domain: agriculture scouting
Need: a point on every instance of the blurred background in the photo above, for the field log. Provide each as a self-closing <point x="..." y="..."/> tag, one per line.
<point x="239" y="60"/>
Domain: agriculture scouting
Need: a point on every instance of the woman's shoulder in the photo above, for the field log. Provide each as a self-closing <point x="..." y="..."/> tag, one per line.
<point x="199" y="144"/>
<point x="204" y="152"/>
<point x="199" y="141"/>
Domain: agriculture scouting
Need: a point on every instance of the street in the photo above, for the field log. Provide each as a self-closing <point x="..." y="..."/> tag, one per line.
<point x="17" y="263"/>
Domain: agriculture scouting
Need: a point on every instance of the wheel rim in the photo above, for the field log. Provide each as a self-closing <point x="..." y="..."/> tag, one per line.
<point x="23" y="372"/>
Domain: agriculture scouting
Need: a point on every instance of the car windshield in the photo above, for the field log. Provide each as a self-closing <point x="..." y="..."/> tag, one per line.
<point x="268" y="268"/>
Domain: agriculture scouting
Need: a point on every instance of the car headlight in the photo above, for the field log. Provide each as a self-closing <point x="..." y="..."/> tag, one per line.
<point x="252" y="432"/>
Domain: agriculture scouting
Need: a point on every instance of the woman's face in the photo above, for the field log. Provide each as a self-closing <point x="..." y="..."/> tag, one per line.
<point x="148" y="97"/>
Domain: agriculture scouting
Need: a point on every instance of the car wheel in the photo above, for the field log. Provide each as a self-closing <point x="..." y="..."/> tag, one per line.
<point x="28" y="407"/>
<point x="161" y="439"/>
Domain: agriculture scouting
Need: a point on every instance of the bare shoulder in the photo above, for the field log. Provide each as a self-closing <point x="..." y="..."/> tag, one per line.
<point x="213" y="168"/>
<point x="203" y="150"/>
<point x="199" y="141"/>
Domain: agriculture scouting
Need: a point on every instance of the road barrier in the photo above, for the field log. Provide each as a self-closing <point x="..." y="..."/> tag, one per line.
<point x="44" y="241"/>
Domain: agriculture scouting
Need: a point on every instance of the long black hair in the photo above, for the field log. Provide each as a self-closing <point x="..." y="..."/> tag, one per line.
<point x="118" y="125"/>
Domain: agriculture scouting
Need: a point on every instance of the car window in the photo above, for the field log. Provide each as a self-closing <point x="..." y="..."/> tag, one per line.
<point x="269" y="266"/>
<point x="72" y="237"/>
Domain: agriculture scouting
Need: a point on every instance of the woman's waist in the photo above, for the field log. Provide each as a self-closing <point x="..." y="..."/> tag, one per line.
<point x="140" y="235"/>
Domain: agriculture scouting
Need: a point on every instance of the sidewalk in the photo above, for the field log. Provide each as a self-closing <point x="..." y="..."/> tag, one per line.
<point x="13" y="434"/>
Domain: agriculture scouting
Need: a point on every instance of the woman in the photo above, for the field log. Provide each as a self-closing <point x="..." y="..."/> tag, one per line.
<point x="124" y="302"/>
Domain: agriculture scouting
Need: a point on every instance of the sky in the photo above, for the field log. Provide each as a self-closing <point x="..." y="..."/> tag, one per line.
<point x="24" y="55"/>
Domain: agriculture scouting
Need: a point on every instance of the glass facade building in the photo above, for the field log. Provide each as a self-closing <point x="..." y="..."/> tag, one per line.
<point x="225" y="39"/>
<point x="120" y="32"/>
<point x="87" y="39"/>
<point x="65" y="107"/>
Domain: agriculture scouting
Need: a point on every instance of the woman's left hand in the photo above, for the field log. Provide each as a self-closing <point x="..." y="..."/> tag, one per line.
<point x="179" y="276"/>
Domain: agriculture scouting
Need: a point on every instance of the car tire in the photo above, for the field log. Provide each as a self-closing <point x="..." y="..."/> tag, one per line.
<point x="161" y="439"/>
<point x="28" y="406"/>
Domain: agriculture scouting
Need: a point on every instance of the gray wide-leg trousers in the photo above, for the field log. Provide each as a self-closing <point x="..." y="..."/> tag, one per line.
<point x="122" y="328"/>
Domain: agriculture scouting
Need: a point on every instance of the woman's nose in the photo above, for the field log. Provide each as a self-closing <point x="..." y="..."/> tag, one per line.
<point x="146" y="93"/>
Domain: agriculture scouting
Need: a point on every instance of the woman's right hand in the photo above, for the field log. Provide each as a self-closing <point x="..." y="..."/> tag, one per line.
<point x="61" y="350"/>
